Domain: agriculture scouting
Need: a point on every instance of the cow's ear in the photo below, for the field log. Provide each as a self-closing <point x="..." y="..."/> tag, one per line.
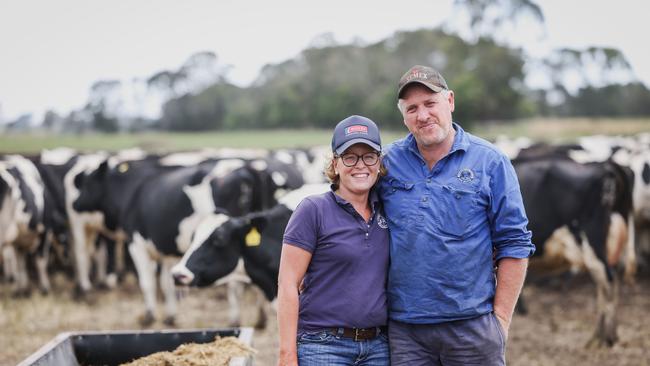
<point x="103" y="167"/>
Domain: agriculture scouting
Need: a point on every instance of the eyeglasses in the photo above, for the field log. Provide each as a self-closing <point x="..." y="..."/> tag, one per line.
<point x="350" y="159"/>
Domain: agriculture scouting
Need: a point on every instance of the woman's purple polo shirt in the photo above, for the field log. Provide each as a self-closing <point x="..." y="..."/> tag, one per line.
<point x="345" y="283"/>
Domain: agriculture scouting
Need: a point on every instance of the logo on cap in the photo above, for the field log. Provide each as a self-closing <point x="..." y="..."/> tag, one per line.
<point x="416" y="74"/>
<point x="356" y="129"/>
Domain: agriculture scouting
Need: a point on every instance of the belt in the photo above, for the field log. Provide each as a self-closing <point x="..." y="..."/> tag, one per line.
<point x="358" y="334"/>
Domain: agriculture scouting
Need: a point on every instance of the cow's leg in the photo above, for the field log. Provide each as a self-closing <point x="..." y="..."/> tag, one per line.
<point x="260" y="305"/>
<point x="146" y="268"/>
<point x="235" y="295"/>
<point x="630" y="261"/>
<point x="118" y="259"/>
<point x="81" y="258"/>
<point x="169" y="290"/>
<point x="235" y="284"/>
<point x="100" y="259"/>
<point x="10" y="267"/>
<point x="42" y="258"/>
<point x="21" y="286"/>
<point x="607" y="299"/>
<point x="643" y="242"/>
<point x="620" y="246"/>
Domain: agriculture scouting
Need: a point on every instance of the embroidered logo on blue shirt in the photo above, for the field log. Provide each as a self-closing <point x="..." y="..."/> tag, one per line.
<point x="381" y="221"/>
<point x="465" y="175"/>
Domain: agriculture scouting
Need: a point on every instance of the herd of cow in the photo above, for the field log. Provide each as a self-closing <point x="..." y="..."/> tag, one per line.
<point x="194" y="218"/>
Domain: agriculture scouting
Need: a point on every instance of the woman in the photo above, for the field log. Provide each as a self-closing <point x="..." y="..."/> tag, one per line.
<point x="332" y="307"/>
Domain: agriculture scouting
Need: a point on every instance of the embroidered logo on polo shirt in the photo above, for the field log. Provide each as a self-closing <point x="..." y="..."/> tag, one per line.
<point x="465" y="175"/>
<point x="381" y="221"/>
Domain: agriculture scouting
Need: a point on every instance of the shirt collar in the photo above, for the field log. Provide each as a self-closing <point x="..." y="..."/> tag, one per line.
<point x="373" y="197"/>
<point x="461" y="140"/>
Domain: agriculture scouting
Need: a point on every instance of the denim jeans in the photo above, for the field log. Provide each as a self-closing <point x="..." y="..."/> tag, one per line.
<point x="324" y="349"/>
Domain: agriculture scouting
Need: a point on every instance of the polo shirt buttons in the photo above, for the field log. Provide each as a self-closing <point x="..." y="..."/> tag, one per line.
<point x="428" y="180"/>
<point x="424" y="199"/>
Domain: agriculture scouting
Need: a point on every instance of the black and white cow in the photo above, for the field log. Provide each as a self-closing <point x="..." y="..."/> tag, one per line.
<point x="210" y="259"/>
<point x="59" y="168"/>
<point x="615" y="152"/>
<point x="26" y="215"/>
<point x="569" y="207"/>
<point x="160" y="208"/>
<point x="310" y="162"/>
<point x="8" y="229"/>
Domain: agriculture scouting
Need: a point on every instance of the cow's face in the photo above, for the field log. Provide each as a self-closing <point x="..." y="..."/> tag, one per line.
<point x="91" y="189"/>
<point x="214" y="257"/>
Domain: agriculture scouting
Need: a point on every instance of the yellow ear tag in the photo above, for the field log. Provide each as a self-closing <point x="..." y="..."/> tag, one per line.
<point x="253" y="238"/>
<point x="122" y="168"/>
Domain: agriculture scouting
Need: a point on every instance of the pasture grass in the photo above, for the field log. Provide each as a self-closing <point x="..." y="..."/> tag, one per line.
<point x="563" y="129"/>
<point x="541" y="129"/>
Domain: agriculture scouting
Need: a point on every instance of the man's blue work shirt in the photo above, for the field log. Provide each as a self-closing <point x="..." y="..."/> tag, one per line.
<point x="445" y="224"/>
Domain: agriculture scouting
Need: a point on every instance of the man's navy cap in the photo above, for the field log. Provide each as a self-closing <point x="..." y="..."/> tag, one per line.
<point x="355" y="130"/>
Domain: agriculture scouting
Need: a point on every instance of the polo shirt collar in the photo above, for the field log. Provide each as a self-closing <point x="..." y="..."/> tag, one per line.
<point x="373" y="197"/>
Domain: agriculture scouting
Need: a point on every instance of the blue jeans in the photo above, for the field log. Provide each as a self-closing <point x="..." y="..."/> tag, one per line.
<point x="324" y="349"/>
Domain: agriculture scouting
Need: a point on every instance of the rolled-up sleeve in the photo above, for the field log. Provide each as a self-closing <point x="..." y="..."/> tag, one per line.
<point x="507" y="215"/>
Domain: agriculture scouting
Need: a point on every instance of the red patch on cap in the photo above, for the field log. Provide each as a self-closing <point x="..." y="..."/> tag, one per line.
<point x="356" y="129"/>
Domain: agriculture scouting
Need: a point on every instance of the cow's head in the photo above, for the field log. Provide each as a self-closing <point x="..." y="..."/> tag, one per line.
<point x="215" y="250"/>
<point x="273" y="178"/>
<point x="91" y="189"/>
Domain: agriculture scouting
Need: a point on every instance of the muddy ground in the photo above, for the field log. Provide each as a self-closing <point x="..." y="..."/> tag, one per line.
<point x="560" y="322"/>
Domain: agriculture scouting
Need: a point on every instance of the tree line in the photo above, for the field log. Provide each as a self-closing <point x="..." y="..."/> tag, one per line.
<point x="328" y="81"/>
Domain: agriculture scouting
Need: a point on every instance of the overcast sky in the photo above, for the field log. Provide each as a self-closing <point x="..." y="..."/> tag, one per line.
<point x="52" y="51"/>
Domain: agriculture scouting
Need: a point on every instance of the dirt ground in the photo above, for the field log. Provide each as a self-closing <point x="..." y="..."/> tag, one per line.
<point x="560" y="322"/>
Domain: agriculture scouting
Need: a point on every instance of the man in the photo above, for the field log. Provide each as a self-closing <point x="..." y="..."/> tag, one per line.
<point x="453" y="204"/>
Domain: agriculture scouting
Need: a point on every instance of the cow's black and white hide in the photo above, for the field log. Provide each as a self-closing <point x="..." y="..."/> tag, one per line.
<point x="25" y="221"/>
<point x="569" y="207"/>
<point x="159" y="208"/>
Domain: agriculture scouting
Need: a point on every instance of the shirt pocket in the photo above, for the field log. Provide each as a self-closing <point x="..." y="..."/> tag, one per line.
<point x="406" y="217"/>
<point x="453" y="209"/>
<point x="402" y="196"/>
<point x="395" y="186"/>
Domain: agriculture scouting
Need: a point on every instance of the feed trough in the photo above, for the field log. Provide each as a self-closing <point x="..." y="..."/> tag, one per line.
<point x="112" y="348"/>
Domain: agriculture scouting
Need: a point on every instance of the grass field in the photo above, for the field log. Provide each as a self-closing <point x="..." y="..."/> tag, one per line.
<point x="537" y="129"/>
